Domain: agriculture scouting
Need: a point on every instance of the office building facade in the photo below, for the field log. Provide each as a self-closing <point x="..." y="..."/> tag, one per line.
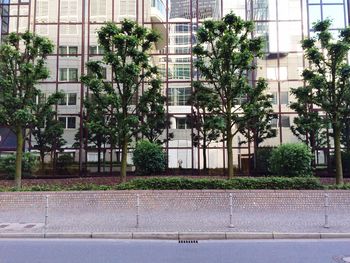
<point x="72" y="26"/>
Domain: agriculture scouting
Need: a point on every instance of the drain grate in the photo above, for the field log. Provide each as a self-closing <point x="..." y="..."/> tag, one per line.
<point x="342" y="259"/>
<point x="188" y="241"/>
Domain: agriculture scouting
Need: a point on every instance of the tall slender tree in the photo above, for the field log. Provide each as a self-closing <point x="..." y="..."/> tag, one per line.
<point x="47" y="130"/>
<point x="328" y="80"/>
<point x="226" y="52"/>
<point x="126" y="53"/>
<point x="22" y="66"/>
<point x="207" y="127"/>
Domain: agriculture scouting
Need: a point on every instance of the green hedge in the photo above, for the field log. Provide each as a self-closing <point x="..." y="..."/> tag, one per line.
<point x="181" y="183"/>
<point x="178" y="183"/>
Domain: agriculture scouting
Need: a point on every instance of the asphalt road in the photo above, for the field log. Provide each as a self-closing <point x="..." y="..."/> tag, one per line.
<point x="115" y="251"/>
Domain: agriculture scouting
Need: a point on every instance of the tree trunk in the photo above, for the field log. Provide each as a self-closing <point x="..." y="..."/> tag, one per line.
<point x="124" y="159"/>
<point x="42" y="160"/>
<point x="229" y="154"/>
<point x="19" y="157"/>
<point x="99" y="158"/>
<point x="205" y="152"/>
<point x="338" y="161"/>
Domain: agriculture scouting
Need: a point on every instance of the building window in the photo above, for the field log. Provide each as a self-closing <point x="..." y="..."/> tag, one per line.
<point x="68" y="50"/>
<point x="69" y="10"/>
<point x="285" y="121"/>
<point x="98" y="10"/>
<point x="96" y="50"/>
<point x="181" y="123"/>
<point x="42" y="10"/>
<point x="68" y="74"/>
<point x="284" y="97"/>
<point x="127" y="9"/>
<point x="68" y="122"/>
<point x="179" y="96"/>
<point x="182" y="71"/>
<point x="69" y="99"/>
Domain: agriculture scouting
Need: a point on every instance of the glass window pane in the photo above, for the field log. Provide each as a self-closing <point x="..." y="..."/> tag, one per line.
<point x="73" y="50"/>
<point x="72" y="99"/>
<point x="71" y="123"/>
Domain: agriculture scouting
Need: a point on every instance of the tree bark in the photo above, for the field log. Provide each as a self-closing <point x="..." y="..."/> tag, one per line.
<point x="124" y="160"/>
<point x="230" y="154"/>
<point x="99" y="158"/>
<point x="338" y="161"/>
<point x="19" y="157"/>
<point x="205" y="152"/>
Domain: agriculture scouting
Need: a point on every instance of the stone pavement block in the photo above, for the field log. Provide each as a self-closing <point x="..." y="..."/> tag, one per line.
<point x="112" y="235"/>
<point x="68" y="235"/>
<point x="22" y="235"/>
<point x="249" y="235"/>
<point x="296" y="235"/>
<point x="202" y="235"/>
<point x="156" y="235"/>
<point x="335" y="235"/>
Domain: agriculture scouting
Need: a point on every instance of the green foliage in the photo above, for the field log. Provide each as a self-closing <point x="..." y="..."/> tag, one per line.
<point x="8" y="164"/>
<point x="263" y="155"/>
<point x="292" y="160"/>
<point x="328" y="82"/>
<point x="22" y="66"/>
<point x="47" y="130"/>
<point x="179" y="183"/>
<point x="260" y="114"/>
<point x="226" y="52"/>
<point x="126" y="49"/>
<point x="149" y="158"/>
<point x="65" y="160"/>
<point x="308" y="126"/>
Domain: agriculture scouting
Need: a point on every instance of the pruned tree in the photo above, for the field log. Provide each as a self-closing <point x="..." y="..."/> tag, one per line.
<point x="153" y="116"/>
<point x="95" y="130"/>
<point x="126" y="49"/>
<point x="47" y="130"/>
<point x="258" y="127"/>
<point x="22" y="66"/>
<point x="309" y="126"/>
<point x="208" y="128"/>
<point x="328" y="79"/>
<point x="225" y="55"/>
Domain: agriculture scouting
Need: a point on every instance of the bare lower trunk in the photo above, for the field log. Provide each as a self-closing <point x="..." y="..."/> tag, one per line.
<point x="99" y="158"/>
<point x="338" y="161"/>
<point x="19" y="157"/>
<point x="124" y="159"/>
<point x="230" y="155"/>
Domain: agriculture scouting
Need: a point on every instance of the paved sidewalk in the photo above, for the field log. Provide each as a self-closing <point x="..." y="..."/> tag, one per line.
<point x="174" y="211"/>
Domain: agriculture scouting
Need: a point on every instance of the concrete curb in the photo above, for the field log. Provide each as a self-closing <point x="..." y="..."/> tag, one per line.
<point x="177" y="235"/>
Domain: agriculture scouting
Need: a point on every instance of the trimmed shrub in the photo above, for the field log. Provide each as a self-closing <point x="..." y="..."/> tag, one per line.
<point x="8" y="165"/>
<point x="291" y="160"/>
<point x="249" y="183"/>
<point x="149" y="158"/>
<point x="181" y="183"/>
<point x="263" y="155"/>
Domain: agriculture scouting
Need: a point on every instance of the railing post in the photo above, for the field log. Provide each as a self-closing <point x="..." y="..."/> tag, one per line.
<point x="137" y="210"/>
<point x="326" y="205"/>
<point x="231" y="211"/>
<point x="46" y="213"/>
